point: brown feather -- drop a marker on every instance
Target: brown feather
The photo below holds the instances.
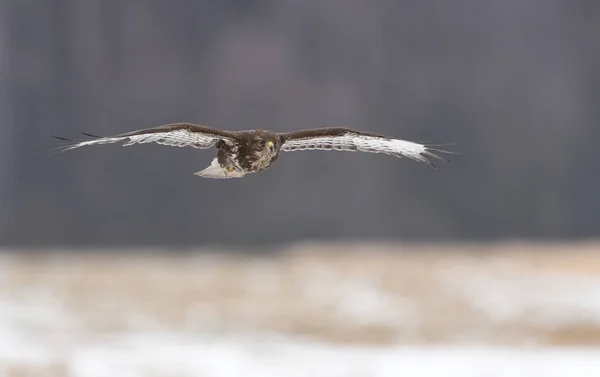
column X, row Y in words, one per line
column 183, row 126
column 324, row 132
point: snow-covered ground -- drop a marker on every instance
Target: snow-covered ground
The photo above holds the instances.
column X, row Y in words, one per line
column 352, row 314
column 168, row 356
column 161, row 354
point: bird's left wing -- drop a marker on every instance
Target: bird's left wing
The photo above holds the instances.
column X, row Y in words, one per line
column 175, row 134
column 344, row 139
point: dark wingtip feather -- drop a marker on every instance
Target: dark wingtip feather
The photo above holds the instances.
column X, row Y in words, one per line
column 90, row 135
column 432, row 150
column 60, row 138
column 61, row 148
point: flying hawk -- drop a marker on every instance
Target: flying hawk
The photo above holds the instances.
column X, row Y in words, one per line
column 252, row 151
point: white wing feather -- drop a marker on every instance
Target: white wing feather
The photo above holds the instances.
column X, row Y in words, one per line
column 176, row 138
column 352, row 142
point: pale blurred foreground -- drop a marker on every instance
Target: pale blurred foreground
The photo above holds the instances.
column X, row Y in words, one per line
column 309, row 310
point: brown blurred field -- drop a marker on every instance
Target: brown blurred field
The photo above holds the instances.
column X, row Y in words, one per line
column 508, row 294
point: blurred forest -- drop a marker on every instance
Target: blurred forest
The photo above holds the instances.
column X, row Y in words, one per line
column 515, row 83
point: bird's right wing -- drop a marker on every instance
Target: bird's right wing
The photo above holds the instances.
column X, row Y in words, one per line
column 344, row 139
column 176, row 135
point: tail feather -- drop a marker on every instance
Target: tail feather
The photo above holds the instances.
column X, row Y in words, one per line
column 216, row 171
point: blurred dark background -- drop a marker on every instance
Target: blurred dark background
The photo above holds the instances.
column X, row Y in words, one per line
column 515, row 83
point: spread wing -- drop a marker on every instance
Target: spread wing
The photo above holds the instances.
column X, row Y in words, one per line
column 344, row 139
column 176, row 135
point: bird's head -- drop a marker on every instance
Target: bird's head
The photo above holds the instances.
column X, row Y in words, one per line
column 266, row 142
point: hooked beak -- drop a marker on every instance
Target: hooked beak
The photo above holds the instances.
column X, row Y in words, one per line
column 270, row 146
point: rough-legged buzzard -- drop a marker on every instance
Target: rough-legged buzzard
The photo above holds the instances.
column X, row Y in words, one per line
column 252, row 151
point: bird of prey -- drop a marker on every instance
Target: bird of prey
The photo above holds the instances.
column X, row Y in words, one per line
column 252, row 151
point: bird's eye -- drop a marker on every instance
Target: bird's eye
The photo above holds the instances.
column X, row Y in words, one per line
column 261, row 143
